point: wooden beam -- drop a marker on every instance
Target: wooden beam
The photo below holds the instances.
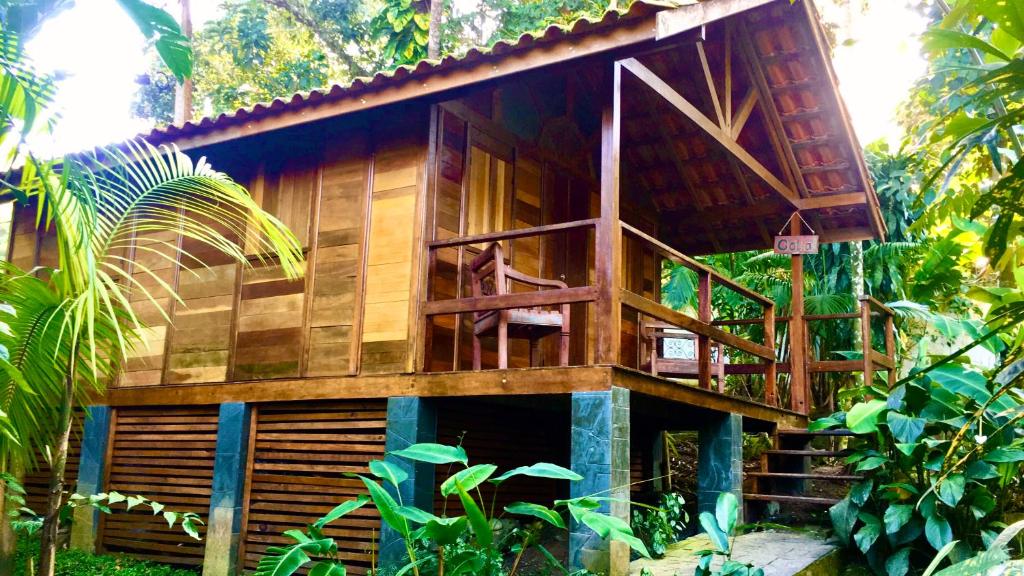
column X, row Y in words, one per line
column 689, row 17
column 608, row 235
column 850, row 199
column 513, row 234
column 666, row 314
column 743, row 114
column 799, row 382
column 703, row 343
column 724, row 139
column 508, row 301
column 710, row 79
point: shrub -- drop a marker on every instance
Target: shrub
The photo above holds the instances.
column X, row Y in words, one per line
column 659, row 527
column 78, row 563
column 459, row 545
column 940, row 454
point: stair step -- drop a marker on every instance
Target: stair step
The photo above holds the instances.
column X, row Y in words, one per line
column 819, row 453
column 791, row 499
column 802, row 432
column 806, row 476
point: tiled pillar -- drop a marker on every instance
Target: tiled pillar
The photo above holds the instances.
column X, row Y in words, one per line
column 411, row 421
column 95, row 435
column 719, row 459
column 225, row 521
column 600, row 453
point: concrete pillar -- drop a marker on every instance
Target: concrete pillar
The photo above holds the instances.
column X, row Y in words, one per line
column 600, row 453
column 411, row 421
column 719, row 459
column 224, row 525
column 91, row 467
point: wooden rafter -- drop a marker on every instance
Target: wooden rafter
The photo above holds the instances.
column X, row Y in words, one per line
column 743, row 114
column 724, row 138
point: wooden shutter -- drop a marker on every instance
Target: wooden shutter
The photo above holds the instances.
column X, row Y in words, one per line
column 37, row 482
column 297, row 457
column 166, row 455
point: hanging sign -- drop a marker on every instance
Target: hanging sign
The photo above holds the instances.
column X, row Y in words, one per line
column 796, row 243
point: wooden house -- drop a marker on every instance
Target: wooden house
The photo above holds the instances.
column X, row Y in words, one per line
column 485, row 239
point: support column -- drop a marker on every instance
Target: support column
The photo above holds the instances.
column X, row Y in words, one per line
column 224, row 525
column 608, row 234
column 91, row 471
column 719, row 460
column 600, row 453
column 411, row 420
column 799, row 386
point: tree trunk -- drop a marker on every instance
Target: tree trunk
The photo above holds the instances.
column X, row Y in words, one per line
column 434, row 33
column 183, row 91
column 857, row 286
column 51, row 522
column 8, row 539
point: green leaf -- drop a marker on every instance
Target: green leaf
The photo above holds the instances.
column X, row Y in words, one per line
column 898, row 564
column 952, row 489
column 540, row 470
column 727, row 511
column 1005, row 455
column 938, row 531
column 609, row 527
column 867, row 535
column 825, row 424
column 115, row 498
column 468, row 478
column 714, row 532
column 871, row 463
column 387, row 507
column 388, row 471
column 134, row 501
column 537, row 511
column 937, row 39
column 171, row 518
column 482, row 531
column 896, row 516
column 904, row 428
column 327, row 568
column 414, row 514
column 434, row 454
column 172, row 45
column 341, row 510
column 445, row 531
column 861, row 491
column 863, row 417
column 844, row 516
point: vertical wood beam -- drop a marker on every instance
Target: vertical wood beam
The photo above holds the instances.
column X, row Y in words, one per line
column 799, row 383
column 890, row 348
column 771, row 395
column 608, row 235
column 865, row 331
column 710, row 78
column 703, row 342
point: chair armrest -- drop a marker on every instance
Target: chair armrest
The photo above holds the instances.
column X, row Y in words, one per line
column 533, row 280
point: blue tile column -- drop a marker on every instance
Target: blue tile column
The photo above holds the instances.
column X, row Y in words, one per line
column 600, row 453
column 224, row 525
column 95, row 435
column 411, row 421
column 719, row 459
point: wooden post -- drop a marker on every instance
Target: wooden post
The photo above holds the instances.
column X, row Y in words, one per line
column 890, row 348
column 771, row 395
column 608, row 234
column 799, row 385
column 703, row 342
column 865, row 331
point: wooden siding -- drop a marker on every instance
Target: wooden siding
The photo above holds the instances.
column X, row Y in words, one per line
column 269, row 324
column 397, row 174
column 298, row 455
column 165, row 454
column 37, row 482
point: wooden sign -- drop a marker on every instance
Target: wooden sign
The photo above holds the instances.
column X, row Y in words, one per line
column 796, row 244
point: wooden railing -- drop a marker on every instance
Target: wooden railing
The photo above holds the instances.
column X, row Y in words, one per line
column 704, row 325
column 872, row 360
column 549, row 297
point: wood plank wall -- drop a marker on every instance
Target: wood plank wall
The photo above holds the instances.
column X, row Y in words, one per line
column 165, row 454
column 298, row 456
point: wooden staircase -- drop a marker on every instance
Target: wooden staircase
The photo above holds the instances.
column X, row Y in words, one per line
column 786, row 468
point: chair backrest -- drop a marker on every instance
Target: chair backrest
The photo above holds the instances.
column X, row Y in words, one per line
column 488, row 272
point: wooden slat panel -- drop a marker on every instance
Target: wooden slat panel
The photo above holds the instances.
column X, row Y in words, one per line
column 397, row 172
column 300, row 452
column 336, row 268
column 169, row 462
column 37, row 482
column 269, row 325
column 150, row 266
column 23, row 238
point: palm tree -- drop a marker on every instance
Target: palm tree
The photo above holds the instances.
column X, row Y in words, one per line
column 65, row 331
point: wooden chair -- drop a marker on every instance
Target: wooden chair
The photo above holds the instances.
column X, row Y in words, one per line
column 655, row 333
column 492, row 276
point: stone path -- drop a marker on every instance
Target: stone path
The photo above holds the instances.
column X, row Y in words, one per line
column 779, row 553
